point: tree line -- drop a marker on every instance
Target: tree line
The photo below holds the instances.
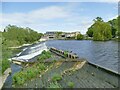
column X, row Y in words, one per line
column 102, row 31
column 14, row 35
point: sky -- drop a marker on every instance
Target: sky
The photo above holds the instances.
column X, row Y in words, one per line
column 56, row 16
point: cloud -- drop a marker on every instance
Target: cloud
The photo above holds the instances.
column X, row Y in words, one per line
column 36, row 15
column 45, row 18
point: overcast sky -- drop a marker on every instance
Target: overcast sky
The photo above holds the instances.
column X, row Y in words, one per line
column 57, row 16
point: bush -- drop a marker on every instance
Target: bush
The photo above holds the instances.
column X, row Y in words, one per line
column 5, row 65
column 54, row 85
column 70, row 84
column 44, row 55
column 56, row 77
column 80, row 37
column 19, row 78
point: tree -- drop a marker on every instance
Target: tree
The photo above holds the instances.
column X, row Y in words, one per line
column 80, row 37
column 100, row 30
column 20, row 35
column 90, row 32
column 98, row 19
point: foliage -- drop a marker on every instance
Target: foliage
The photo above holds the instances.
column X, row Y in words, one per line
column 54, row 85
column 100, row 30
column 56, row 77
column 5, row 65
column 114, row 27
column 14, row 35
column 70, row 84
column 19, row 78
column 44, row 55
column 80, row 37
column 65, row 53
column 90, row 32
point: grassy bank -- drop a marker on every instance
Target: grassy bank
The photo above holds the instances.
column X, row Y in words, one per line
column 6, row 54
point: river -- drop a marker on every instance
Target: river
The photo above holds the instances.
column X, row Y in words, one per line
column 104, row 54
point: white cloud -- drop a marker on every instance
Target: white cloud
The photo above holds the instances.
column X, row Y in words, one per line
column 36, row 15
column 42, row 20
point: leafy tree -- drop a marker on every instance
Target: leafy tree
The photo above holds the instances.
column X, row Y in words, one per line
column 100, row 30
column 20, row 35
column 80, row 37
column 90, row 32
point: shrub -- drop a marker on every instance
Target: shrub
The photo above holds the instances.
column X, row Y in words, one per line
column 70, row 84
column 54, row 85
column 19, row 78
column 5, row 65
column 44, row 55
column 65, row 53
column 56, row 77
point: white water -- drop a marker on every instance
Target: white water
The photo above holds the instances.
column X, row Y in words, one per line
column 30, row 52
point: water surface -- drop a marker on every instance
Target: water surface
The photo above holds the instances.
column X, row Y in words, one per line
column 104, row 54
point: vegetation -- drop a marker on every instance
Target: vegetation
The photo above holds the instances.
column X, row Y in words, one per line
column 15, row 36
column 114, row 27
column 21, row 77
column 70, row 84
column 101, row 30
column 65, row 53
column 80, row 37
column 5, row 64
column 44, row 55
column 56, row 77
column 6, row 54
column 54, row 85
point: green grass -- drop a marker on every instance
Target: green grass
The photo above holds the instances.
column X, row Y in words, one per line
column 6, row 54
column 28, row 73
column 44, row 55
column 54, row 85
column 70, row 84
column 56, row 77
column 5, row 65
column 65, row 53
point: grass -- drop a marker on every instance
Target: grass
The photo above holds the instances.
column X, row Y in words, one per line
column 44, row 55
column 5, row 65
column 65, row 53
column 56, row 77
column 21, row 77
column 6, row 54
column 54, row 85
column 70, row 84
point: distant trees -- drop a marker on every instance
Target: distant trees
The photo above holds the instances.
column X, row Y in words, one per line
column 14, row 35
column 100, row 30
column 80, row 37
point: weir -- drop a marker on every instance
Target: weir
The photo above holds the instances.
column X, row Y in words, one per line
column 30, row 53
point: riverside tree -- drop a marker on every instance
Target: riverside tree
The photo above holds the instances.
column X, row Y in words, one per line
column 80, row 37
column 100, row 30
